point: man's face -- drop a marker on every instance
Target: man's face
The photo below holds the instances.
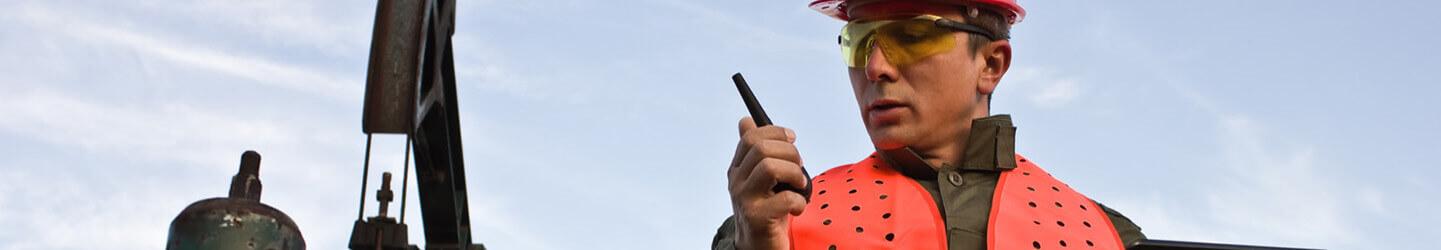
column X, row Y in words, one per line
column 926, row 104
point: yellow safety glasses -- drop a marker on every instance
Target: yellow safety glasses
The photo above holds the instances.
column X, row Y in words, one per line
column 904, row 41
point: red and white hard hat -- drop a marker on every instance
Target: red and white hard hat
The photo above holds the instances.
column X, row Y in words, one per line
column 839, row 8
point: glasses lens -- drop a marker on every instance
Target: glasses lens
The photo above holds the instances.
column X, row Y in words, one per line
column 856, row 41
column 903, row 41
column 907, row 42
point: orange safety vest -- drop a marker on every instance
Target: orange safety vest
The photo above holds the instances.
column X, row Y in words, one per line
column 869, row 205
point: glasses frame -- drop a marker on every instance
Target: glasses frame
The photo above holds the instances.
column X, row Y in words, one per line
column 871, row 27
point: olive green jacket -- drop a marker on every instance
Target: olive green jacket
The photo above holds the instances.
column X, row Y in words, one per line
column 962, row 192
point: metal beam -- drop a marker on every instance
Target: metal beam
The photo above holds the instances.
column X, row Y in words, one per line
column 411, row 89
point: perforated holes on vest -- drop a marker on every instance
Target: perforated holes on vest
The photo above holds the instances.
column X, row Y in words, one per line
column 879, row 225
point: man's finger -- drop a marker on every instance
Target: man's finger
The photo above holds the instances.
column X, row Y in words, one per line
column 784, row 203
column 795, row 177
column 769, row 133
column 739, row 152
column 768, row 173
column 772, row 149
column 746, row 124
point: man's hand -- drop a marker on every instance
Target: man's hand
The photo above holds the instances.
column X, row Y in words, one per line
column 766, row 156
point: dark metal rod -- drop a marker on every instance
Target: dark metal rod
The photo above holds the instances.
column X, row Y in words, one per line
column 364, row 177
column 405, row 179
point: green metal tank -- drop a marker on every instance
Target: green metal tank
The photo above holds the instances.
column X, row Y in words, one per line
column 239, row 221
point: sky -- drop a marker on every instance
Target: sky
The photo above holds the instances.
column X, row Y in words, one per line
column 609, row 124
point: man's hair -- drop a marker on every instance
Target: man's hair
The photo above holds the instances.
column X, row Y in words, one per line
column 989, row 20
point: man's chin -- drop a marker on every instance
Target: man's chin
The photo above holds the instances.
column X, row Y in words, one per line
column 890, row 138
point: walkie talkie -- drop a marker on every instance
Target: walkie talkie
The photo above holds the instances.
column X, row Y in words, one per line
column 759, row 116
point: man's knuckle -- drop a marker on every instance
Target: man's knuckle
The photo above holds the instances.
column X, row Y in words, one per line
column 759, row 133
column 777, row 148
column 777, row 166
column 765, row 148
column 751, row 139
column 768, row 164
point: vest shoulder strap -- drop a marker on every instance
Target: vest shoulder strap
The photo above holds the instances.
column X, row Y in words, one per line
column 1033, row 210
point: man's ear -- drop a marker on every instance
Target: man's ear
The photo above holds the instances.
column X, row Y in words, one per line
column 994, row 59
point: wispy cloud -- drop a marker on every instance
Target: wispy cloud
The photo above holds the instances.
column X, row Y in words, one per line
column 1044, row 88
column 1267, row 189
column 1264, row 191
column 1285, row 194
column 260, row 70
column 480, row 67
column 1263, row 188
column 162, row 132
column 494, row 216
column 334, row 28
column 751, row 31
column 1058, row 93
column 46, row 210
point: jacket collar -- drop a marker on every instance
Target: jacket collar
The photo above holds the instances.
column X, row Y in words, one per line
column 991, row 146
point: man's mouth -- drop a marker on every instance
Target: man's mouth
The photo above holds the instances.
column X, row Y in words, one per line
column 884, row 105
column 885, row 111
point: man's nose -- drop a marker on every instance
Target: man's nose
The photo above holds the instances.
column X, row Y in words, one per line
column 878, row 69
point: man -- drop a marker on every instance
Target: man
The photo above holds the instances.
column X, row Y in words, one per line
column 945, row 174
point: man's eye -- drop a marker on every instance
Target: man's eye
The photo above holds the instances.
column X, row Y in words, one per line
column 909, row 37
column 910, row 33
